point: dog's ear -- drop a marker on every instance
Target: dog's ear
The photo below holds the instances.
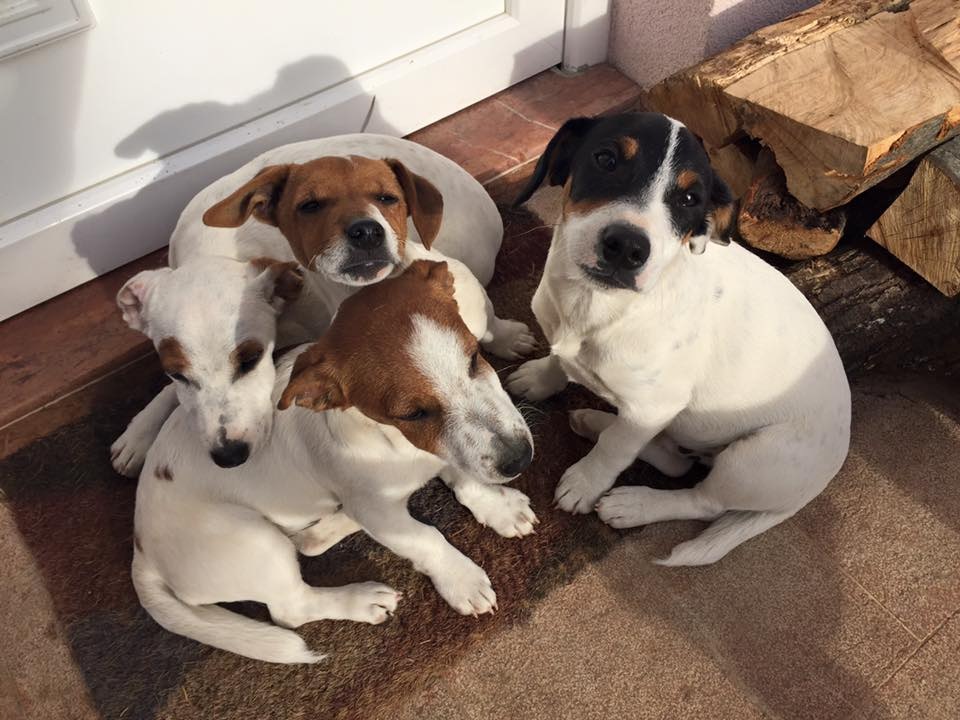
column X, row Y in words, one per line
column 313, row 382
column 554, row 165
column 258, row 198
column 280, row 282
column 134, row 295
column 721, row 217
column 424, row 202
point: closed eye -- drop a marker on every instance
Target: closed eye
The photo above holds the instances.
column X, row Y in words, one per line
column 249, row 362
column 387, row 199
column 474, row 363
column 418, row 414
column 311, row 206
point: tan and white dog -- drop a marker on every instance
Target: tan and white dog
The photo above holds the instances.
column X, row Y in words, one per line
column 710, row 353
column 340, row 210
column 393, row 394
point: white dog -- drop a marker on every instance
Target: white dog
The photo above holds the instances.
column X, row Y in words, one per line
column 350, row 218
column 396, row 393
column 711, row 353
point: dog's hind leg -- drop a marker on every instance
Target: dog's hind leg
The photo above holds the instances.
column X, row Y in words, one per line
column 755, row 483
column 326, row 532
column 660, row 452
column 129, row 450
column 505, row 510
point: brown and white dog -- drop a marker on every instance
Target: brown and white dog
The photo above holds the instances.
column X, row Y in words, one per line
column 348, row 216
column 394, row 394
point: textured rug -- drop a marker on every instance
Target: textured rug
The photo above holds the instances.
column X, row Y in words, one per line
column 75, row 516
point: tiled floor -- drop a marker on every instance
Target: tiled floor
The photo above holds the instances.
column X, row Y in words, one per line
column 49, row 353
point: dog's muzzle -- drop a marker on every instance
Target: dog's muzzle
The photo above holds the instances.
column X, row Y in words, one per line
column 230, row 453
column 368, row 251
column 622, row 250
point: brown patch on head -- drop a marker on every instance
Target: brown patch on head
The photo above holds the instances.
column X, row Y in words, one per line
column 163, row 472
column 723, row 220
column 315, row 202
column 287, row 277
column 581, row 207
column 173, row 359
column 362, row 361
column 686, row 179
column 246, row 356
column 628, row 146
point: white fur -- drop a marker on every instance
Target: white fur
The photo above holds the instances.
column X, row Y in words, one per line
column 469, row 239
column 210, row 535
column 715, row 352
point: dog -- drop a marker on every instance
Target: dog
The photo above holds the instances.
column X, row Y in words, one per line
column 392, row 395
column 349, row 220
column 704, row 353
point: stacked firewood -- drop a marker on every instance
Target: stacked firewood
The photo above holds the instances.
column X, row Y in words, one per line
column 838, row 121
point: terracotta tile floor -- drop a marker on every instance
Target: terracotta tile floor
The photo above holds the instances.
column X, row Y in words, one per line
column 51, row 354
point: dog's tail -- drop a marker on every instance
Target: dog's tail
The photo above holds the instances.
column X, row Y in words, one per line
column 723, row 535
column 214, row 625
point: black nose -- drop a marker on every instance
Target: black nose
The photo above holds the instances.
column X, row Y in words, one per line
column 231, row 453
column 365, row 234
column 624, row 247
column 516, row 458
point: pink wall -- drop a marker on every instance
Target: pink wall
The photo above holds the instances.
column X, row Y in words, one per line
column 650, row 39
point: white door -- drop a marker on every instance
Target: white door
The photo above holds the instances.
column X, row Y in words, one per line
column 105, row 135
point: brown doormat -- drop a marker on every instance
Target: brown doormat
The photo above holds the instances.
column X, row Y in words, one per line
column 75, row 515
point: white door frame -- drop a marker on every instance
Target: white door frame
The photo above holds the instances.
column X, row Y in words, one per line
column 77, row 238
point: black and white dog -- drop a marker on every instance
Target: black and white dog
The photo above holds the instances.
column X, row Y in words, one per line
column 715, row 351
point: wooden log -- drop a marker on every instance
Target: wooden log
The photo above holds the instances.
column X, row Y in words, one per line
column 844, row 93
column 771, row 219
column 734, row 163
column 922, row 226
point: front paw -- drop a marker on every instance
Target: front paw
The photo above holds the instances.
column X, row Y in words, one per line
column 511, row 341
column 580, row 489
column 130, row 450
column 505, row 510
column 537, row 379
column 370, row 602
column 465, row 587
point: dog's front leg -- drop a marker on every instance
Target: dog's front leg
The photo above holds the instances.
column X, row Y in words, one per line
column 459, row 580
column 507, row 339
column 505, row 510
column 130, row 449
column 617, row 447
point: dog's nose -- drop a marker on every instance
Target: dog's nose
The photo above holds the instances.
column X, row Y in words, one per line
column 231, row 453
column 624, row 247
column 365, row 234
column 515, row 459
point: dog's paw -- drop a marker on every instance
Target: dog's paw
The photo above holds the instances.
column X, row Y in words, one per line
column 511, row 341
column 130, row 450
column 537, row 379
column 504, row 510
column 369, row 602
column 628, row 506
column 579, row 489
column 466, row 588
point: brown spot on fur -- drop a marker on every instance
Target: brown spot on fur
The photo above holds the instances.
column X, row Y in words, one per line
column 581, row 207
column 136, row 542
column 246, row 351
column 163, row 472
column 288, row 277
column 722, row 220
column 345, row 188
column 362, row 360
column 629, row 147
column 172, row 356
column 687, row 179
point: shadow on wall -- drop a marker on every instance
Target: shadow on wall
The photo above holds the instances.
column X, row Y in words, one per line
column 145, row 217
column 732, row 20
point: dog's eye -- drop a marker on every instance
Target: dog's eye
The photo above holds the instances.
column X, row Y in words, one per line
column 249, row 362
column 689, row 199
column 310, row 206
column 605, row 160
column 474, row 362
column 179, row 377
column 385, row 199
column 418, row 414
